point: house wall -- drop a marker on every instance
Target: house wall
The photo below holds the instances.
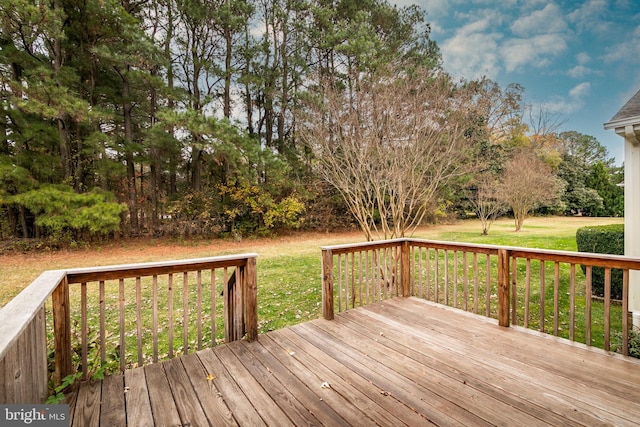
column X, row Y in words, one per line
column 632, row 219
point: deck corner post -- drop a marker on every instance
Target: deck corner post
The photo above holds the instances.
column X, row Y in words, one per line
column 405, row 273
column 503, row 287
column 327, row 284
column 251, row 305
column 62, row 330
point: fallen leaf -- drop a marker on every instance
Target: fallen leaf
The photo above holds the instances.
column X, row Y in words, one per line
column 210, row 377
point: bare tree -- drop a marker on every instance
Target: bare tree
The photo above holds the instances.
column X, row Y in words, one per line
column 390, row 144
column 527, row 183
column 486, row 201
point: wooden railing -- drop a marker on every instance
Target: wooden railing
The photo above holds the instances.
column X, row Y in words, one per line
column 516, row 286
column 151, row 307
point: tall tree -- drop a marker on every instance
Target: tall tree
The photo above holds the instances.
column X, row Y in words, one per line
column 391, row 145
column 527, row 183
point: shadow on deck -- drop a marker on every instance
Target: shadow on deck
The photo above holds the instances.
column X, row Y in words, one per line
column 404, row 361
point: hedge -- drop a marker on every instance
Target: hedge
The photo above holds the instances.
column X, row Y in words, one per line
column 605, row 239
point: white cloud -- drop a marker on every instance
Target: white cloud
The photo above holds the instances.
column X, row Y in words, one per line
column 535, row 52
column 583, row 58
column 571, row 103
column 472, row 55
column 547, row 20
column 472, row 51
column 581, row 69
column 627, row 51
column 580, row 91
column 578, row 71
column 589, row 14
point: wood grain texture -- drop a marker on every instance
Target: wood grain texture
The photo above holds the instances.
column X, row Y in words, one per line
column 402, row 362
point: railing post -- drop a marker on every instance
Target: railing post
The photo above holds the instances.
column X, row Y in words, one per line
column 251, row 301
column 503, row 287
column 405, row 266
column 229, row 306
column 62, row 331
column 327, row 284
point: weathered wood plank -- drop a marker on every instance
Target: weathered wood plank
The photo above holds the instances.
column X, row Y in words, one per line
column 279, row 361
column 467, row 390
column 112, row 412
column 401, row 406
column 439, row 398
column 243, row 411
column 209, row 396
column 163, row 405
column 189, row 409
column 137, row 398
column 89, row 395
column 314, row 375
column 269, row 411
column 276, row 389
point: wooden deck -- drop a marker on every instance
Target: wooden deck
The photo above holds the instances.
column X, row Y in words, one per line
column 402, row 362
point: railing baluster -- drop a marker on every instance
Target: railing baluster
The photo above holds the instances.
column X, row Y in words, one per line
column 572, row 302
column 527, row 292
column 542, row 298
column 360, row 277
column 185, row 313
column 154, row 321
column 503, row 287
column 139, row 320
column 488, row 287
column 556, row 298
column 123, row 350
column 428, row 275
column 213, row 308
column 514, row 291
column 352, row 281
column 199, row 308
column 455, row 279
column 476, row 283
column 625, row 314
column 368, row 277
column 340, row 283
column 465, row 283
column 446, row 277
column 83, row 327
column 170, row 312
column 607, row 309
column 436, row 277
column 227, row 298
column 103, row 326
column 587, row 314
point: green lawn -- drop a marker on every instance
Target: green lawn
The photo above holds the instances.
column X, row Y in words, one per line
column 289, row 284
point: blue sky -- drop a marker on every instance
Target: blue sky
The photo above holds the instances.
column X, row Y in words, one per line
column 578, row 58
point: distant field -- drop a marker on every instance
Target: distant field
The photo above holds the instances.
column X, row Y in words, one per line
column 295, row 257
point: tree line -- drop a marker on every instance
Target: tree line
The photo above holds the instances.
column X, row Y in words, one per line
column 209, row 117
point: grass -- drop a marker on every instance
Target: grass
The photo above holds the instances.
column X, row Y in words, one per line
column 289, row 284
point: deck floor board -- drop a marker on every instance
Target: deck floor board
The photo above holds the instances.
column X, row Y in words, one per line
column 400, row 362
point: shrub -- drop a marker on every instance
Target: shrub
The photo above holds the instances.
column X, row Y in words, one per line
column 606, row 239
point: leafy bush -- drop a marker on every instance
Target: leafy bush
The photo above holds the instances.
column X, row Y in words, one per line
column 606, row 239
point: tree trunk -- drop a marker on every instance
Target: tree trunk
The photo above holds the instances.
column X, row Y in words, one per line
column 227, row 73
column 128, row 140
